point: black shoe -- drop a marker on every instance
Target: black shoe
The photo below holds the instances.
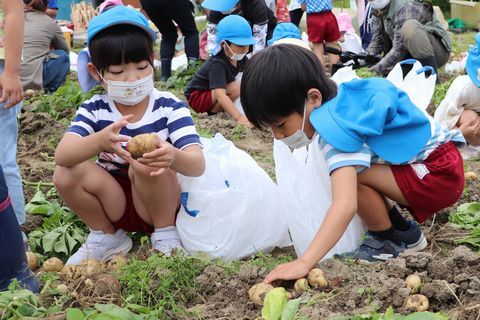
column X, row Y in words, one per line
column 166, row 69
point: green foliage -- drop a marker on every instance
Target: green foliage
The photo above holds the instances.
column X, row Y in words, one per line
column 61, row 233
column 365, row 73
column 467, row 217
column 440, row 91
column 238, row 132
column 112, row 312
column 391, row 315
column 19, row 304
column 274, row 303
column 182, row 77
column 161, row 283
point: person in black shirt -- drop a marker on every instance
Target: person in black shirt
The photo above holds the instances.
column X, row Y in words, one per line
column 213, row 88
column 259, row 16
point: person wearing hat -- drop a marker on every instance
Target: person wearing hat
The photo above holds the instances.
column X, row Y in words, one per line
column 404, row 29
column 42, row 67
column 213, row 88
column 287, row 33
column 125, row 190
column 349, row 41
column 260, row 18
column 377, row 144
column 461, row 106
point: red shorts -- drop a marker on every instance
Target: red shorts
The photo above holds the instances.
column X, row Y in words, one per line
column 433, row 184
column 201, row 101
column 130, row 220
column 322, row 26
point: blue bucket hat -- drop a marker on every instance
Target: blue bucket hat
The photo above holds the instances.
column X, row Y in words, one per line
column 119, row 14
column 285, row 30
column 219, row 5
column 375, row 112
column 473, row 61
column 235, row 29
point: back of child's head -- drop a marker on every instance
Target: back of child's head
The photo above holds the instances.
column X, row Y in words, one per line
column 276, row 80
column 37, row 5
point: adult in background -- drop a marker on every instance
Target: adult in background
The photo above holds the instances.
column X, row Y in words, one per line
column 259, row 16
column 163, row 13
column 43, row 67
column 407, row 29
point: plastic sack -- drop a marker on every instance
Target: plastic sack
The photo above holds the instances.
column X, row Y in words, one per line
column 234, row 209
column 418, row 87
column 304, row 182
column 344, row 74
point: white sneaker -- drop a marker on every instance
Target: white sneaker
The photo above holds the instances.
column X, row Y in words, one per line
column 102, row 246
column 166, row 240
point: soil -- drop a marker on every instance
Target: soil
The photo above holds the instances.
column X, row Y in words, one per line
column 450, row 273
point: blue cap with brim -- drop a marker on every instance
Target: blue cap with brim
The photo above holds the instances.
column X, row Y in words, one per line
column 219, row 5
column 373, row 112
column 118, row 15
column 285, row 30
column 235, row 29
column 85, row 79
column 473, row 62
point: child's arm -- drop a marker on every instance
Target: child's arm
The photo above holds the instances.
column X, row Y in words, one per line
column 10, row 83
column 226, row 103
column 73, row 150
column 341, row 212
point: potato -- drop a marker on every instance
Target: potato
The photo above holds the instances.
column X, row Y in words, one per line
column 107, row 284
column 32, row 260
column 416, row 303
column 470, row 175
column 142, row 143
column 301, row 285
column 62, row 288
column 29, row 93
column 257, row 292
column 117, row 261
column 91, row 267
column 89, row 283
column 414, row 283
column 53, row 265
column 316, row 278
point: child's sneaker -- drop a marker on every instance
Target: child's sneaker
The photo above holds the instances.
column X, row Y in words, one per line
column 413, row 238
column 166, row 240
column 102, row 246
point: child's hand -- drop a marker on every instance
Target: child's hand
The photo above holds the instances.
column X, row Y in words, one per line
column 471, row 131
column 163, row 157
column 243, row 120
column 288, row 271
column 12, row 90
column 110, row 138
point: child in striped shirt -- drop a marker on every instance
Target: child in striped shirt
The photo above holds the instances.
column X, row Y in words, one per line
column 378, row 146
column 117, row 193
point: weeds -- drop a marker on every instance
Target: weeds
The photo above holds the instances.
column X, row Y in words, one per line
column 467, row 217
column 440, row 91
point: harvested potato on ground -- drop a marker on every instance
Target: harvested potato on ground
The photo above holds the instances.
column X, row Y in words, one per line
column 89, row 283
column 316, row 278
column 143, row 143
column 414, row 283
column 257, row 292
column 416, row 303
column 117, row 261
column 32, row 260
column 470, row 175
column 107, row 284
column 91, row 267
column 301, row 285
column 62, row 288
column 53, row 265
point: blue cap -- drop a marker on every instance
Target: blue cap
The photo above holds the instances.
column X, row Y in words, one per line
column 235, row 29
column 473, row 61
column 375, row 112
column 118, row 15
column 283, row 31
column 219, row 5
column 85, row 79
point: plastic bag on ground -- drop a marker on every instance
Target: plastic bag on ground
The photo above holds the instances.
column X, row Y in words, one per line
column 418, row 87
column 344, row 74
column 304, row 183
column 234, row 209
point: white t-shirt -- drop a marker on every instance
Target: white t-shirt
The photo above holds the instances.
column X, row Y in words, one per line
column 462, row 95
column 293, row 5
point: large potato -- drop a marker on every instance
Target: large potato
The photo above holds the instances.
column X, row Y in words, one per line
column 257, row 292
column 143, row 143
column 53, row 265
column 416, row 303
column 32, row 260
column 316, row 278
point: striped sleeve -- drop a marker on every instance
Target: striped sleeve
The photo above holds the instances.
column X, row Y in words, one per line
column 337, row 159
column 181, row 129
column 85, row 122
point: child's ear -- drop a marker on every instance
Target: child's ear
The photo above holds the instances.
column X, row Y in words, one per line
column 314, row 97
column 93, row 71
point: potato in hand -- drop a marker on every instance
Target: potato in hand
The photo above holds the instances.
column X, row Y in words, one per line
column 143, row 143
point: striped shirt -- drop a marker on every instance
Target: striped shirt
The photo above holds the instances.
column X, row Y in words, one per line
column 166, row 115
column 365, row 157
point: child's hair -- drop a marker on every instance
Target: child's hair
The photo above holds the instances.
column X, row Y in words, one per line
column 276, row 80
column 37, row 5
column 120, row 44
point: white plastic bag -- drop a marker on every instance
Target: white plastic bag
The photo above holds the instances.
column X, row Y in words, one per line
column 304, row 183
column 234, row 209
column 418, row 87
column 344, row 74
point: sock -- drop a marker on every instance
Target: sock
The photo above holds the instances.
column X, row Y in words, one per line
column 384, row 234
column 398, row 221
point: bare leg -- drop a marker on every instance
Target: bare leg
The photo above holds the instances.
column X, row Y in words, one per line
column 469, row 124
column 94, row 195
column 319, row 52
column 233, row 92
column 156, row 199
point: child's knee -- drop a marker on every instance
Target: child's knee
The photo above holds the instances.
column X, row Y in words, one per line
column 467, row 116
column 64, row 178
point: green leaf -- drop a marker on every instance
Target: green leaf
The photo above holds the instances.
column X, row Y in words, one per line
column 49, row 240
column 291, row 309
column 74, row 314
column 425, row 316
column 115, row 311
column 274, row 303
column 389, row 314
column 61, row 245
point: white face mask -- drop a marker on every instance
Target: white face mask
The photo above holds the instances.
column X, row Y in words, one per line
column 234, row 56
column 379, row 4
column 299, row 139
column 129, row 93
